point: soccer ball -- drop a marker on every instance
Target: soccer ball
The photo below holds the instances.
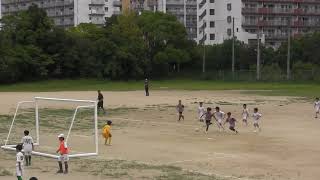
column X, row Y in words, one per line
column 197, row 129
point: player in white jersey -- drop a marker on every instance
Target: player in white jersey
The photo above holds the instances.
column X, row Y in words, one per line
column 201, row 112
column 19, row 162
column 27, row 142
column 317, row 107
column 256, row 118
column 245, row 114
column 219, row 116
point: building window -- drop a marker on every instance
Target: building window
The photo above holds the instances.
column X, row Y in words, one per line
column 89, row 8
column 211, row 1
column 229, row 7
column 211, row 11
column 229, row 32
column 229, row 19
column 106, row 9
column 212, row 24
column 212, row 36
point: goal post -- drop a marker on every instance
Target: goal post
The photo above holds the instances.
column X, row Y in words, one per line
column 88, row 104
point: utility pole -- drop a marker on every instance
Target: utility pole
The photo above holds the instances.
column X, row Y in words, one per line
column 258, row 55
column 233, row 53
column 185, row 12
column 289, row 50
column 204, row 48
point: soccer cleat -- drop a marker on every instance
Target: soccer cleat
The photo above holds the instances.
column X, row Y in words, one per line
column 60, row 171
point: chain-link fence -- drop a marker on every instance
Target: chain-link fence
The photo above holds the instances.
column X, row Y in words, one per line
column 251, row 75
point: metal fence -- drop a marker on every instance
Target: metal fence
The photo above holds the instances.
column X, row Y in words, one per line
column 251, row 75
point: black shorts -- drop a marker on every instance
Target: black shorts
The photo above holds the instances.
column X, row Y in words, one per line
column 232, row 128
column 180, row 113
column 100, row 104
column 208, row 122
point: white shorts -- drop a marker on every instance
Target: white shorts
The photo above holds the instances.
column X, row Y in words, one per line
column 27, row 152
column 219, row 120
column 18, row 172
column 63, row 158
column 317, row 109
column 244, row 117
column 256, row 122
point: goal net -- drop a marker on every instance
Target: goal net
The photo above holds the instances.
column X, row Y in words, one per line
column 46, row 118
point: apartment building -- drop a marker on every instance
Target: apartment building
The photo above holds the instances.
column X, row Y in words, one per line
column 67, row 13
column 186, row 13
column 184, row 10
column 218, row 20
column 277, row 18
column 273, row 20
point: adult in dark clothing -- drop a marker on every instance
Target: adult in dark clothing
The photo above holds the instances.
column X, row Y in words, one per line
column 146, row 87
column 100, row 101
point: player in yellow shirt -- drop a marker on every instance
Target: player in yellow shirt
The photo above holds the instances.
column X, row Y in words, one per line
column 106, row 132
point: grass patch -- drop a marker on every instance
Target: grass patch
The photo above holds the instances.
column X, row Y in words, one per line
column 131, row 169
column 308, row 89
column 5, row 172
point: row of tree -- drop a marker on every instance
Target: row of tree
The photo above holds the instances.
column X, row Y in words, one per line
column 129, row 46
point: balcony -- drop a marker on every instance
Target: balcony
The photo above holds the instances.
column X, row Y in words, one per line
column 97, row 13
column 117, row 3
column 264, row 23
column 116, row 12
column 285, row 1
column 202, row 3
column 280, row 11
column 302, row 24
column 203, row 15
column 97, row 3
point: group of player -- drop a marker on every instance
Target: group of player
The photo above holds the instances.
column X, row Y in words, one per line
column 206, row 115
column 24, row 159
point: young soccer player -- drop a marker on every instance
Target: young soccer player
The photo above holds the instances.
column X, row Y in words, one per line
column 201, row 112
column 106, row 133
column 146, row 86
column 63, row 151
column 100, row 101
column 180, row 109
column 232, row 122
column 27, row 142
column 19, row 164
column 245, row 115
column 256, row 117
column 219, row 116
column 317, row 107
column 208, row 116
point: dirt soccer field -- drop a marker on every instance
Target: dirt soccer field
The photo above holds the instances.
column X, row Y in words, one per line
column 149, row 143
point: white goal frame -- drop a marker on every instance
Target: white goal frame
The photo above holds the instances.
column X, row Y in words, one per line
column 90, row 104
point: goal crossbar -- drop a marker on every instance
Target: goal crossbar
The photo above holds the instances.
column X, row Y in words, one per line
column 92, row 104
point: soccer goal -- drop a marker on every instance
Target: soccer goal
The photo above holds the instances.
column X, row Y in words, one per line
column 80, row 104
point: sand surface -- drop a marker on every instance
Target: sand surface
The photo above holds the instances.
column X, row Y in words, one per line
column 286, row 149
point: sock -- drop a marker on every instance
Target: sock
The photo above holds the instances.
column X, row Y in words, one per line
column 66, row 166
column 60, row 166
column 29, row 160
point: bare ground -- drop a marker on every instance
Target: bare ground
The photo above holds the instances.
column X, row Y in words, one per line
column 148, row 142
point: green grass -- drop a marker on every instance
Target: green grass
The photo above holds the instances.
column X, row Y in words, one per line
column 305, row 89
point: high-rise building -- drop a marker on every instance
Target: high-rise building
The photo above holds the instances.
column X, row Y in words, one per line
column 276, row 18
column 66, row 13
column 184, row 10
column 186, row 13
column 218, row 20
column 272, row 20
